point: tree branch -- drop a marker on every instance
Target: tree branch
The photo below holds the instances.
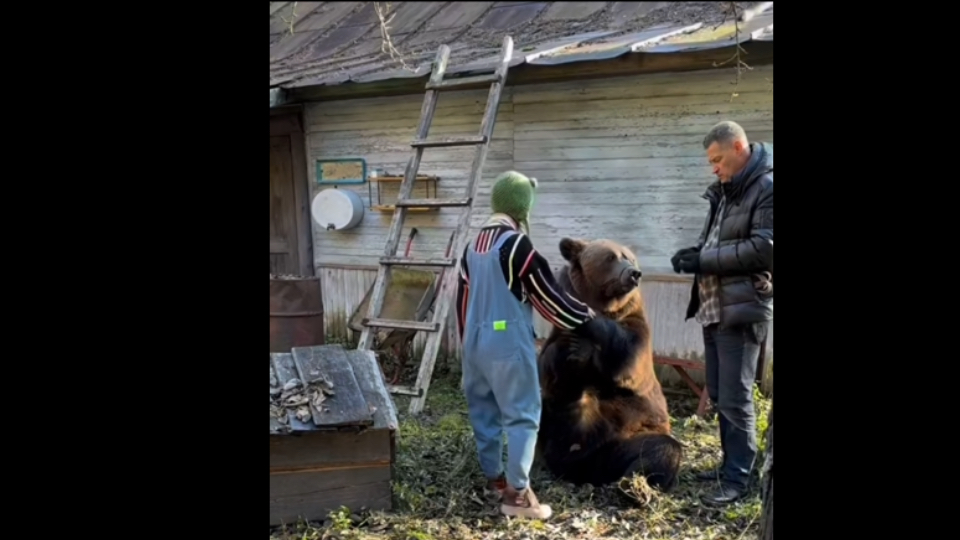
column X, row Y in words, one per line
column 293, row 17
column 739, row 65
column 386, row 45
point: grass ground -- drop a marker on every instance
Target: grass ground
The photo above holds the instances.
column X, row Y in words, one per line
column 438, row 483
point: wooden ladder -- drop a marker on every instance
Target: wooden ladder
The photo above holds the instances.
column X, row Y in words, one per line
column 449, row 278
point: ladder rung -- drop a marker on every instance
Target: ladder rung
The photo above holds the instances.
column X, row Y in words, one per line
column 402, row 325
column 447, row 84
column 405, row 390
column 375, row 316
column 432, row 203
column 450, row 141
column 417, row 262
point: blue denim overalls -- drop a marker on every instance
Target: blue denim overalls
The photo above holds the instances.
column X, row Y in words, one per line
column 500, row 369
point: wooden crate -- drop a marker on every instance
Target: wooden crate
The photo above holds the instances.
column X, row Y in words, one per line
column 344, row 454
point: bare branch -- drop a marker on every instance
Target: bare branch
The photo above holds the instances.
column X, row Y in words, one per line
column 386, row 45
column 293, row 17
column 739, row 65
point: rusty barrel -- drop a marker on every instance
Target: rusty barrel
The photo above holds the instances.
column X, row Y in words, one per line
column 296, row 313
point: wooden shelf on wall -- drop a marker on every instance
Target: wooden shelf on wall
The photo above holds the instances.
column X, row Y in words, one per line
column 400, row 178
column 396, row 179
column 392, row 207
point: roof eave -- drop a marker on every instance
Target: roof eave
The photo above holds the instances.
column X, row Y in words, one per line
column 757, row 52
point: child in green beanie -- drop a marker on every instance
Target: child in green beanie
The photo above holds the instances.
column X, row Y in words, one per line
column 502, row 277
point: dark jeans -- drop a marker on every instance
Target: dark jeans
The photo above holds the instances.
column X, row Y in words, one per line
column 731, row 365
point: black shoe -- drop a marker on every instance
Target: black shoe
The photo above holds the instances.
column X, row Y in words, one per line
column 708, row 475
column 725, row 494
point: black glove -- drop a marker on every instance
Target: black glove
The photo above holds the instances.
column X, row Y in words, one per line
column 690, row 262
column 675, row 260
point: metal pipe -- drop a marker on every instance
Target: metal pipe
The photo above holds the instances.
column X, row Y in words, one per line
column 278, row 97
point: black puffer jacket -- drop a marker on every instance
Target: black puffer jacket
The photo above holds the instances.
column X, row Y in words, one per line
column 744, row 258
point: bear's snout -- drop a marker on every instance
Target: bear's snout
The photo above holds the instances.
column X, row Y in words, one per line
column 631, row 276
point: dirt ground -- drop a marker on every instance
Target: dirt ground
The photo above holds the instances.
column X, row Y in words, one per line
column 438, row 489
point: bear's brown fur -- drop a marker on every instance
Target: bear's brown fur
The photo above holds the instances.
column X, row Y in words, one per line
column 604, row 415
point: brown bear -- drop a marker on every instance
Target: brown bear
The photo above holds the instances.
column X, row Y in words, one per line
column 604, row 415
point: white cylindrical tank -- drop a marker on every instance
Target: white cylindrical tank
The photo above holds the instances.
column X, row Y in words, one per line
column 336, row 209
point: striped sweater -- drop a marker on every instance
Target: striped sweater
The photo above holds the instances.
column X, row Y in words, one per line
column 528, row 276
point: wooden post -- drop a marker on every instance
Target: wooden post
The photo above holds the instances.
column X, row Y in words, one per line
column 766, row 479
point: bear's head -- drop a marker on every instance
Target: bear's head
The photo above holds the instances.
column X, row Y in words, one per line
column 604, row 274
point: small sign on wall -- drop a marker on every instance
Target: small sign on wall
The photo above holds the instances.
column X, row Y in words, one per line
column 341, row 171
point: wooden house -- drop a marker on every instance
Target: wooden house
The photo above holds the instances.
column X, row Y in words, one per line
column 606, row 104
column 332, row 433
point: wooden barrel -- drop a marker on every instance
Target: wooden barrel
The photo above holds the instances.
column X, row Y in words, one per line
column 296, row 313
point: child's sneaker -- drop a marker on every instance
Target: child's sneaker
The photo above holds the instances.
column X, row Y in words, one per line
column 523, row 504
column 493, row 491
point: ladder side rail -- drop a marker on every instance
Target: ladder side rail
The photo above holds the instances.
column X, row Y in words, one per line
column 427, row 110
column 449, row 279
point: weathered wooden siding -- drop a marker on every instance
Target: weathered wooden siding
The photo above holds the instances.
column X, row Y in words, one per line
column 616, row 158
column 623, row 158
column 380, row 130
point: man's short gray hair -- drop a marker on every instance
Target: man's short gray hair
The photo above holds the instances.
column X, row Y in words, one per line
column 724, row 133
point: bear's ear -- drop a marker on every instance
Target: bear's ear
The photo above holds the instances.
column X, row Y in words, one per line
column 570, row 248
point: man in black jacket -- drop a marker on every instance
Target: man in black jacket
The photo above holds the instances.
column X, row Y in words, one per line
column 732, row 294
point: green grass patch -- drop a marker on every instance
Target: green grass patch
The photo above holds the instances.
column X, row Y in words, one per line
column 438, row 485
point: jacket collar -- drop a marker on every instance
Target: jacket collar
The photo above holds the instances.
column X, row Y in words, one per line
column 735, row 188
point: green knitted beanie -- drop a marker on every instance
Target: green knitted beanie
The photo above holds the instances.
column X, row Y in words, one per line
column 512, row 195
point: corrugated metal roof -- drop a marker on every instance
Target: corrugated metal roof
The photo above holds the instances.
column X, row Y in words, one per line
column 329, row 43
